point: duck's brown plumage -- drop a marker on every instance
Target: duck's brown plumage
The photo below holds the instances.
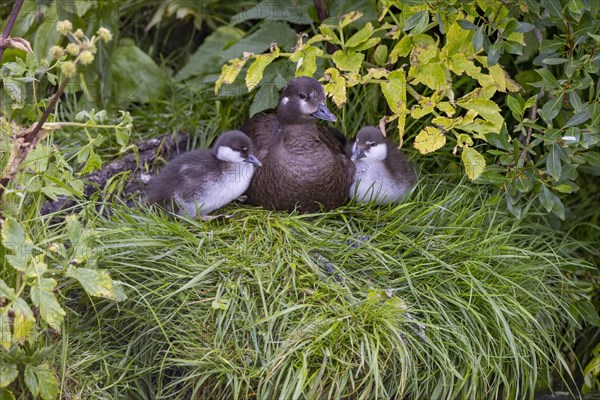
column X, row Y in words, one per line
column 304, row 163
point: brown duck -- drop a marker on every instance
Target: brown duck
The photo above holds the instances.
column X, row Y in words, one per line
column 304, row 164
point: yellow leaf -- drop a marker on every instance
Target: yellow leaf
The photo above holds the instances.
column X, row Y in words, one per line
column 458, row 40
column 229, row 72
column 24, row 321
column 429, row 140
column 488, row 109
column 446, row 107
column 473, row 161
column 347, row 19
column 394, row 90
column 374, row 73
column 256, row 70
column 433, row 75
column 447, row 123
column 306, row 56
column 361, row 36
column 401, row 49
column 348, row 61
column 336, row 87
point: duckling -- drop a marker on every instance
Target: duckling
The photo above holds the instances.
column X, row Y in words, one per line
column 382, row 173
column 206, row 179
column 305, row 166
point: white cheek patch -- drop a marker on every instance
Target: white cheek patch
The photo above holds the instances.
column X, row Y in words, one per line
column 377, row 152
column 354, row 147
column 285, row 100
column 306, row 108
column 226, row 153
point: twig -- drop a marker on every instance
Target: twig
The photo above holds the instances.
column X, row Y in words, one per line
column 11, row 22
column 534, row 109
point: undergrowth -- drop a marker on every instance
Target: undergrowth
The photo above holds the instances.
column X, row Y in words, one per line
column 443, row 296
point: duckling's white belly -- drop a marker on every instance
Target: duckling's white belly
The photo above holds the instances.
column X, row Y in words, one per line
column 374, row 183
column 230, row 185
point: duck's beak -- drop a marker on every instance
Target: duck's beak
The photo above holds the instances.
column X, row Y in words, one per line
column 253, row 160
column 357, row 154
column 324, row 113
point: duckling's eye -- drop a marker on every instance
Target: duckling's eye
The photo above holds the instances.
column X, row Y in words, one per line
column 244, row 149
column 302, row 96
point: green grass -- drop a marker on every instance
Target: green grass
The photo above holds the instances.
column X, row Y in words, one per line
column 443, row 296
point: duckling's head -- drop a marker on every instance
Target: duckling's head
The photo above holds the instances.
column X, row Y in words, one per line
column 235, row 146
column 303, row 99
column 370, row 145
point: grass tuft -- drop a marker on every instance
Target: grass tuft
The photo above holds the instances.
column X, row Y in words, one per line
column 443, row 296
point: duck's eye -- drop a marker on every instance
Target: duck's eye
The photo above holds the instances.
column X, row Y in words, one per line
column 302, row 96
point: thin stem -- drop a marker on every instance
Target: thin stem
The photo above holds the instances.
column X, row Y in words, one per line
column 11, row 22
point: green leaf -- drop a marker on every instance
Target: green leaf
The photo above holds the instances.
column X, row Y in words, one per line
column 24, row 321
column 296, row 13
column 348, row 61
column 208, row 56
column 8, row 373
column 229, row 72
column 42, row 297
column 513, row 47
column 551, row 109
column 547, row 198
column 473, row 161
column 434, row 75
column 524, row 27
column 136, row 75
column 15, row 240
column 488, row 109
column 94, row 282
column 380, row 54
column 468, row 25
column 41, row 380
column 429, row 140
column 592, row 158
column 553, row 164
column 564, row 188
column 6, row 291
column 578, row 118
column 575, row 6
column 554, row 61
column 307, row 57
column 401, row 49
column 494, row 53
column 477, row 40
column 514, row 105
column 553, row 7
column 418, row 21
column 257, row 68
column 361, row 36
column 588, row 312
column 548, row 78
column 365, row 45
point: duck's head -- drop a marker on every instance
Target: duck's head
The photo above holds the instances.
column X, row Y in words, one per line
column 303, row 99
column 235, row 146
column 370, row 145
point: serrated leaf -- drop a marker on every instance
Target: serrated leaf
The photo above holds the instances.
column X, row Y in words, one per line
column 348, row 61
column 429, row 140
column 365, row 45
column 488, row 109
column 42, row 297
column 257, row 68
column 401, row 49
column 5, row 334
column 394, row 90
column 307, row 57
column 361, row 36
column 24, row 321
column 330, row 34
column 473, row 161
column 433, row 75
column 94, row 282
column 336, row 86
column 446, row 107
column 229, row 72
column 42, row 381
column 8, row 373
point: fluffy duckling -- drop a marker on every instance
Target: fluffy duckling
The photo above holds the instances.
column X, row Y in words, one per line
column 205, row 180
